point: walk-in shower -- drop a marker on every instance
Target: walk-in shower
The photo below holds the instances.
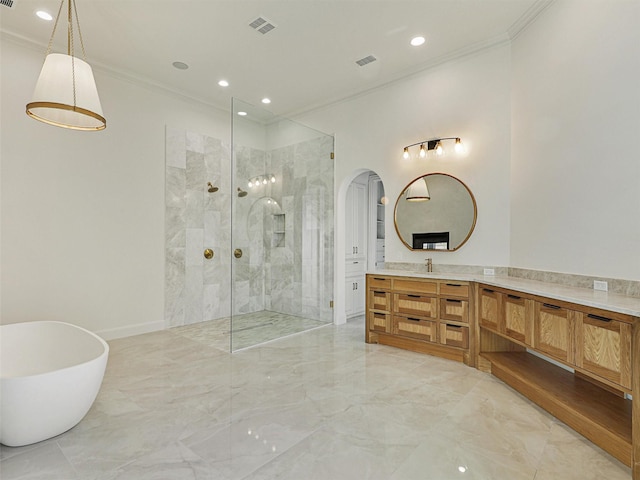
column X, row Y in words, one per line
column 268, row 230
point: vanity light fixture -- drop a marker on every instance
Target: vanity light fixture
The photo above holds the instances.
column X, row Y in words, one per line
column 261, row 180
column 418, row 191
column 435, row 144
column 66, row 94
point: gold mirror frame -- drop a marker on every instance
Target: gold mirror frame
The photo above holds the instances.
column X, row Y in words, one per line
column 401, row 197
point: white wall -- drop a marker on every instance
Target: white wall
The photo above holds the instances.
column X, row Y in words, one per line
column 83, row 212
column 575, row 184
column 468, row 98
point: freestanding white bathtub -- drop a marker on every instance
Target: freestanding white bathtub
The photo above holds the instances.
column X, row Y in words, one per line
column 50, row 374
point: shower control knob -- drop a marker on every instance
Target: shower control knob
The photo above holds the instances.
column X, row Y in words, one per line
column 208, row 254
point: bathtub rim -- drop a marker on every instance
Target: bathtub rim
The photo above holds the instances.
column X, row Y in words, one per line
column 103, row 342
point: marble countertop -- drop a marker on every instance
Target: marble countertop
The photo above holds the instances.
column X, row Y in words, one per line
column 583, row 296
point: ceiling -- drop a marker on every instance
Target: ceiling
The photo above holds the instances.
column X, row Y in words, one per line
column 306, row 61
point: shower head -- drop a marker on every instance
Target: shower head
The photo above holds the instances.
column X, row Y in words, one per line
column 211, row 188
column 241, row 193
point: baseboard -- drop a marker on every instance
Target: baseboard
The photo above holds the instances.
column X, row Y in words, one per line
column 130, row 330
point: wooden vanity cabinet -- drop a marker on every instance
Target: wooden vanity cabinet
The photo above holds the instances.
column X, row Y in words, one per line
column 421, row 314
column 596, row 347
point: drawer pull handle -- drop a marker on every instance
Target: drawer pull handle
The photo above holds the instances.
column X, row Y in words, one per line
column 413, row 296
column 515, row 297
column 548, row 305
column 454, row 326
column 379, row 279
column 378, row 293
column 453, row 301
column 488, row 290
column 413, row 319
column 598, row 317
column 453, row 285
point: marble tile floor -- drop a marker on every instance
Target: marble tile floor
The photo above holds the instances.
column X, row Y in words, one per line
column 248, row 329
column 320, row 405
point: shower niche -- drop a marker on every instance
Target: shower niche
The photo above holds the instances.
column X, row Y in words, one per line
column 273, row 202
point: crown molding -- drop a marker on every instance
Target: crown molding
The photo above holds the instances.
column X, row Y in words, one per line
column 528, row 17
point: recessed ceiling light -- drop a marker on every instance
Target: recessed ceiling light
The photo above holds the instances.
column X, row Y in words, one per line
column 223, row 83
column 242, row 114
column 44, row 15
column 180, row 65
column 417, row 41
column 266, row 100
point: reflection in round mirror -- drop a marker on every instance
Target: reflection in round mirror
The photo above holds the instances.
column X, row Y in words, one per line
column 435, row 212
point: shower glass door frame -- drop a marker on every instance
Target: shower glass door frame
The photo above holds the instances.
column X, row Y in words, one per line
column 282, row 227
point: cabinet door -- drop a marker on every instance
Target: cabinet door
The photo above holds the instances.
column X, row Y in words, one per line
column 356, row 221
column 603, row 347
column 355, row 295
column 359, row 298
column 348, row 221
column 360, row 215
column 515, row 318
column 553, row 328
column 490, row 307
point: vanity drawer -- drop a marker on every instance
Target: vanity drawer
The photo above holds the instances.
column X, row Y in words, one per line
column 415, row 305
column 379, row 322
column 355, row 267
column 379, row 282
column 414, row 327
column 454, row 309
column 454, row 335
column 379, row 300
column 416, row 286
column 454, row 289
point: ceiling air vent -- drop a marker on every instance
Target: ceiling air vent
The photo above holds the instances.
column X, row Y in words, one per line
column 7, row 3
column 260, row 24
column 366, row 60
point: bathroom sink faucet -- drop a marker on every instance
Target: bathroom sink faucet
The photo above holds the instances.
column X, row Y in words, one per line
column 429, row 265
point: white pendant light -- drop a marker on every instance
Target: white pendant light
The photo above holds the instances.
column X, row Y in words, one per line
column 66, row 93
column 418, row 191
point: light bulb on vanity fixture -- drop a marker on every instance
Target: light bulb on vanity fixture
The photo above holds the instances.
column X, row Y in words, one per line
column 261, row 180
column 435, row 144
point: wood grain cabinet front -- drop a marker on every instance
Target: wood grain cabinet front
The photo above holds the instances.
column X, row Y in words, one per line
column 517, row 323
column 454, row 309
column 414, row 327
column 454, row 335
column 422, row 314
column 490, row 309
column 414, row 305
column 552, row 331
column 603, row 347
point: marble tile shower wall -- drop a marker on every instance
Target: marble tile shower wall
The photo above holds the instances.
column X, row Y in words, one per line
column 290, row 272
column 196, row 289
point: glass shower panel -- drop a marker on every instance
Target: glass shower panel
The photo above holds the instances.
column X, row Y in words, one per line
column 281, row 227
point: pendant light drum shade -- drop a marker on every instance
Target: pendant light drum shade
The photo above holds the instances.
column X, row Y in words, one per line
column 66, row 94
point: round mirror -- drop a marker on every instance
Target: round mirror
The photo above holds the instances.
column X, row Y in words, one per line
column 435, row 212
